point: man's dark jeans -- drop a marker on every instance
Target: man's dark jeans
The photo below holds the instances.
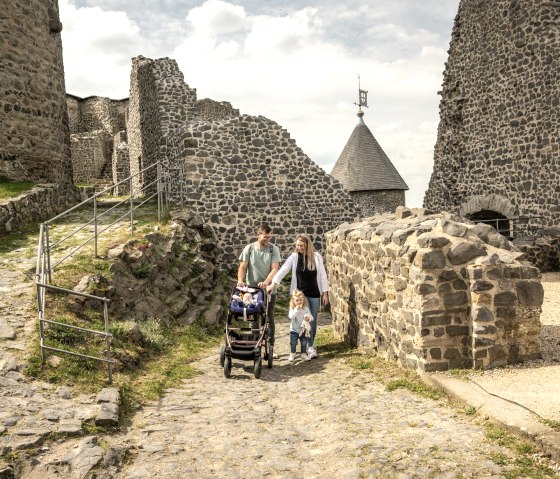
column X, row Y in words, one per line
column 271, row 327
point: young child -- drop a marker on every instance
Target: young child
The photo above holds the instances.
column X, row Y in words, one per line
column 300, row 327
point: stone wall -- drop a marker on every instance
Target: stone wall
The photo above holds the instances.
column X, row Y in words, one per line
column 239, row 170
column 34, row 138
column 370, row 203
column 91, row 156
column 543, row 252
column 498, row 144
column 96, row 113
column 39, row 204
column 120, row 164
column 98, row 131
column 433, row 293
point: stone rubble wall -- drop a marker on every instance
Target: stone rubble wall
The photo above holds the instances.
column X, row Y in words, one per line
column 247, row 170
column 172, row 277
column 235, row 171
column 91, row 155
column 96, row 113
column 34, row 138
column 98, row 131
column 433, row 293
column 500, row 112
column 543, row 252
column 121, row 163
column 39, row 204
column 371, row 203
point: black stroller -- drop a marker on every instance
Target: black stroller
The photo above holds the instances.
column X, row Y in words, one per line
column 246, row 330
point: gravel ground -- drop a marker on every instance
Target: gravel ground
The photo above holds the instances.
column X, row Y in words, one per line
column 550, row 319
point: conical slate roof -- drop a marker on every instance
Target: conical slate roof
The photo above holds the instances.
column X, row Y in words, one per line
column 364, row 166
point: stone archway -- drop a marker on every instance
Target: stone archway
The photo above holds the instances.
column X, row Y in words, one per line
column 492, row 203
column 493, row 210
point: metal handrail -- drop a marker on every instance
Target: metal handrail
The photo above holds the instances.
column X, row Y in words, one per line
column 44, row 268
column 532, row 224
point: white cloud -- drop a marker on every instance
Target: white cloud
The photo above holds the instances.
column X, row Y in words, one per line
column 97, row 47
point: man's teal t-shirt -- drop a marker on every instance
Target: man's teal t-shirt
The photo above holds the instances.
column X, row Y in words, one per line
column 260, row 261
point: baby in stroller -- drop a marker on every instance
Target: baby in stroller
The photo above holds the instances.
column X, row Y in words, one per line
column 245, row 301
column 247, row 304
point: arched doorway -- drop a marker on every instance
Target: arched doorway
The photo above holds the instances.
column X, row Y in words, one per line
column 494, row 219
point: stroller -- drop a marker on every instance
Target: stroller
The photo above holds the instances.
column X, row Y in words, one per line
column 245, row 342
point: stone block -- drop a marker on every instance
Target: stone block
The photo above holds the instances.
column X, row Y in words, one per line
column 464, row 252
column 530, row 293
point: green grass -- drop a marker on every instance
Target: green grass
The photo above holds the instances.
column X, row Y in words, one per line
column 552, row 423
column 157, row 359
column 524, row 462
column 12, row 188
column 385, row 372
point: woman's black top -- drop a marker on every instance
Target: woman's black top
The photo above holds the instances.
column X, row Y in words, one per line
column 307, row 279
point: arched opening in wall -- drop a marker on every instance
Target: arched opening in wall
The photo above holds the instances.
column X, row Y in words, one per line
column 494, row 219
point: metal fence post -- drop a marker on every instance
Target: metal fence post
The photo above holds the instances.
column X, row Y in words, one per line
column 108, row 340
column 159, row 197
column 95, row 225
column 48, row 250
column 131, row 207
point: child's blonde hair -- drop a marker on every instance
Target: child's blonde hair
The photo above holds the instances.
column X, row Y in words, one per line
column 296, row 294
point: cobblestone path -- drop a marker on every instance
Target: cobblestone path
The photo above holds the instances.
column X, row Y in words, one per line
column 315, row 419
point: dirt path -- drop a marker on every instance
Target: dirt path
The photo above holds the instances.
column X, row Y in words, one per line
column 312, row 419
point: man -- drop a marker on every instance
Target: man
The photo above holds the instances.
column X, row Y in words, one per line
column 259, row 262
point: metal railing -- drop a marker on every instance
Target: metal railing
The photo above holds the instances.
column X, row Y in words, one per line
column 46, row 264
column 516, row 228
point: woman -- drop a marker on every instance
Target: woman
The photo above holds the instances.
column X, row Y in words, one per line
column 309, row 276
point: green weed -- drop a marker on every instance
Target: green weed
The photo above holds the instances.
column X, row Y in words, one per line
column 12, row 188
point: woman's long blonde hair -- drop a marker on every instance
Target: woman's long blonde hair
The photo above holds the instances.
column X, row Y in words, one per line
column 296, row 294
column 309, row 251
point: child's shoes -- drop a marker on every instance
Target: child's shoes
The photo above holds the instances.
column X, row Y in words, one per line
column 305, row 357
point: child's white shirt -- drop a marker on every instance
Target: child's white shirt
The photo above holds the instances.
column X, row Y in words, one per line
column 296, row 316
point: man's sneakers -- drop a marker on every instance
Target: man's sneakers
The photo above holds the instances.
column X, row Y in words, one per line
column 305, row 357
column 292, row 357
column 311, row 352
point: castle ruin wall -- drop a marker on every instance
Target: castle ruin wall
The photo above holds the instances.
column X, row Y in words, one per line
column 377, row 202
column 235, row 171
column 34, row 138
column 433, row 293
column 498, row 140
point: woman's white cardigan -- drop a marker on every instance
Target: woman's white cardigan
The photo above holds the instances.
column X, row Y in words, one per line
column 291, row 263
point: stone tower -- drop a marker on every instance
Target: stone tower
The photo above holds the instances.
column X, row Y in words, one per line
column 498, row 146
column 367, row 173
column 34, row 136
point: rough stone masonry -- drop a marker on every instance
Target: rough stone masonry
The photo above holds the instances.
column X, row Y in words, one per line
column 432, row 292
column 498, row 148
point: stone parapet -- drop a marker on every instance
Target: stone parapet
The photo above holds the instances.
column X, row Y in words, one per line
column 433, row 293
column 40, row 203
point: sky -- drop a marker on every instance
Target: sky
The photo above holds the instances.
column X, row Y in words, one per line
column 293, row 61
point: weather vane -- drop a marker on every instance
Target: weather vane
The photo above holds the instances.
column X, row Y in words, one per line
column 362, row 96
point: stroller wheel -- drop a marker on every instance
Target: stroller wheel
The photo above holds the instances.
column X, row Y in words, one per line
column 257, row 368
column 222, row 355
column 227, row 367
column 270, row 355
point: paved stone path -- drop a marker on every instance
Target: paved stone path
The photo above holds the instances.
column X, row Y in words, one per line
column 31, row 410
column 312, row 419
